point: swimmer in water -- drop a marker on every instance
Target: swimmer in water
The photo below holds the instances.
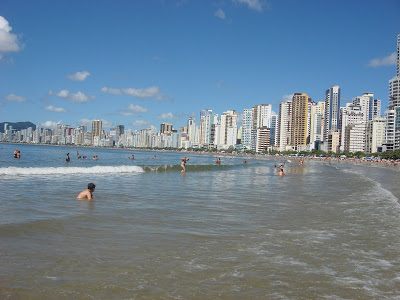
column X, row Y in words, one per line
column 87, row 194
column 67, row 159
column 280, row 171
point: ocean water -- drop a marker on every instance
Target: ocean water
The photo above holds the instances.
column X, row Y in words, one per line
column 229, row 231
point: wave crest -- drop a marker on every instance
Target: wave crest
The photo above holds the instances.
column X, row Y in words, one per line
column 11, row 171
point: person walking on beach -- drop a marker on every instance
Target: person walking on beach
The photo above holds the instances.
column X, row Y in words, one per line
column 87, row 194
column 67, row 158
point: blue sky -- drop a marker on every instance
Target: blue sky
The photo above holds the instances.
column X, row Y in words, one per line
column 145, row 62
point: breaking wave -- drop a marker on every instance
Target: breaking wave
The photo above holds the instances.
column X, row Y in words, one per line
column 11, row 171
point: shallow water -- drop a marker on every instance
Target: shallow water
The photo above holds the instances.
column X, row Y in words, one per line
column 234, row 231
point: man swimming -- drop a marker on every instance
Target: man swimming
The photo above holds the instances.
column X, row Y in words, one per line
column 87, row 194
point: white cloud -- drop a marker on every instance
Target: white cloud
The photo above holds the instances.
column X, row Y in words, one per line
column 15, row 98
column 140, row 123
column 8, row 41
column 136, row 108
column 220, row 14
column 167, row 116
column 49, row 124
column 385, row 61
column 286, row 98
column 55, row 109
column 252, row 4
column 79, row 76
column 78, row 97
column 150, row 92
column 107, row 90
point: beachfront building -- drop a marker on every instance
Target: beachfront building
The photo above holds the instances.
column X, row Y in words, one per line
column 332, row 108
column 247, row 125
column 350, row 115
column 192, row 133
column 285, row 125
column 273, row 131
column 299, row 124
column 228, row 129
column 393, row 112
column 375, row 135
column 261, row 123
column 205, row 127
column 316, row 123
column 165, row 128
column 97, row 127
column 355, row 139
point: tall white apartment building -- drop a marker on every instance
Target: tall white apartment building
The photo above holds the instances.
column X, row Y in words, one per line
column 262, row 115
column 285, row 125
column 205, row 127
column 261, row 119
column 354, row 139
column 317, row 111
column 192, row 133
column 375, row 135
column 228, row 129
column 393, row 113
column 350, row 115
column 332, row 108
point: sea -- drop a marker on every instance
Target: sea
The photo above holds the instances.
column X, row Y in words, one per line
column 326, row 230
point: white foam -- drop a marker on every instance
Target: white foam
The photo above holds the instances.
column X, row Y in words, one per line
column 11, row 171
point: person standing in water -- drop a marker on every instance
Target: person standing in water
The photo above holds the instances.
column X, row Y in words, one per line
column 280, row 171
column 183, row 163
column 87, row 194
column 67, row 158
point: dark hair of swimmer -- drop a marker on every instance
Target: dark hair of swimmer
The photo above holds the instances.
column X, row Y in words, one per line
column 91, row 186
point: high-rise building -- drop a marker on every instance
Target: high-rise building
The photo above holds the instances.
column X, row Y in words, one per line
column 299, row 124
column 393, row 112
column 375, row 135
column 350, row 115
column 228, row 129
column 247, row 124
column 205, row 126
column 316, row 121
column 166, row 128
column 332, row 108
column 97, row 127
column 285, row 124
column 273, row 131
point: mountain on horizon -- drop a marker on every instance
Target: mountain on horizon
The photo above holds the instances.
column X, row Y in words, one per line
column 17, row 125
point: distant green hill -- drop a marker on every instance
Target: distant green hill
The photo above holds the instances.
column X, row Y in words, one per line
column 18, row 125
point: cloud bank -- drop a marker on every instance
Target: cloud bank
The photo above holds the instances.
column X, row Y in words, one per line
column 150, row 92
column 78, row 97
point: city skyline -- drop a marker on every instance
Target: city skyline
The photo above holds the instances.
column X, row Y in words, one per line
column 151, row 62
